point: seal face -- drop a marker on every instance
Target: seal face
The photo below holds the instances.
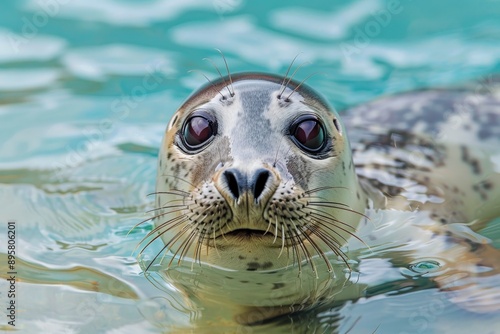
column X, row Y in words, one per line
column 256, row 171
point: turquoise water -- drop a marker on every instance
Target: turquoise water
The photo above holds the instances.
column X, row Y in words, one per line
column 86, row 90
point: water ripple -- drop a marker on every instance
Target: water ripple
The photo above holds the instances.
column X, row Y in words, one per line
column 18, row 48
column 119, row 12
column 335, row 24
column 101, row 62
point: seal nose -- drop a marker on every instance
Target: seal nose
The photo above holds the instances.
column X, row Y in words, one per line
column 238, row 183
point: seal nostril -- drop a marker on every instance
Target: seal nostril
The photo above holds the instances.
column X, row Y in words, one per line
column 232, row 183
column 237, row 183
column 260, row 182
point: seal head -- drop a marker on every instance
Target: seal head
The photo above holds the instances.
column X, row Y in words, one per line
column 255, row 173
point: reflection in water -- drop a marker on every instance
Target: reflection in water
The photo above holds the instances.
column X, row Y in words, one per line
column 82, row 278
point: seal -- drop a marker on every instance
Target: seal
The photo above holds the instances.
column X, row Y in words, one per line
column 258, row 185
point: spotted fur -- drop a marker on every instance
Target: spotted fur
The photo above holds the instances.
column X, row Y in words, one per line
column 431, row 147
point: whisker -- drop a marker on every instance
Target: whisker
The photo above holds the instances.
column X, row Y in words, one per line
column 291, row 78
column 295, row 251
column 166, row 246
column 171, row 192
column 228, row 72
column 276, row 232
column 333, row 205
column 277, row 152
column 154, row 217
column 318, row 250
column 286, row 75
column 186, row 244
column 333, row 245
column 219, row 210
column 329, row 217
column 215, row 242
column 291, row 243
column 197, row 250
column 183, row 207
column 211, row 82
column 196, row 230
column 220, row 155
column 156, row 256
column 137, row 225
column 202, row 233
column 300, row 84
column 268, row 227
column 183, row 245
column 282, row 239
column 180, row 220
column 180, row 179
column 164, row 225
column 353, row 325
column 167, row 207
column 310, row 191
column 304, row 249
column 220, row 74
column 296, row 70
column 327, row 224
column 316, row 199
column 330, row 241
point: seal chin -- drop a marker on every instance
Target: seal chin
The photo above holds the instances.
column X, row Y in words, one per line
column 237, row 237
column 245, row 233
column 259, row 237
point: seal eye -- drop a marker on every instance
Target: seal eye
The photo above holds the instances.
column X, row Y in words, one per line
column 197, row 130
column 309, row 134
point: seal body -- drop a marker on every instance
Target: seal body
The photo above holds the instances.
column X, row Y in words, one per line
column 257, row 186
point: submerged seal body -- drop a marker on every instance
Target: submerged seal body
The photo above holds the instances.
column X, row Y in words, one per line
column 258, row 181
